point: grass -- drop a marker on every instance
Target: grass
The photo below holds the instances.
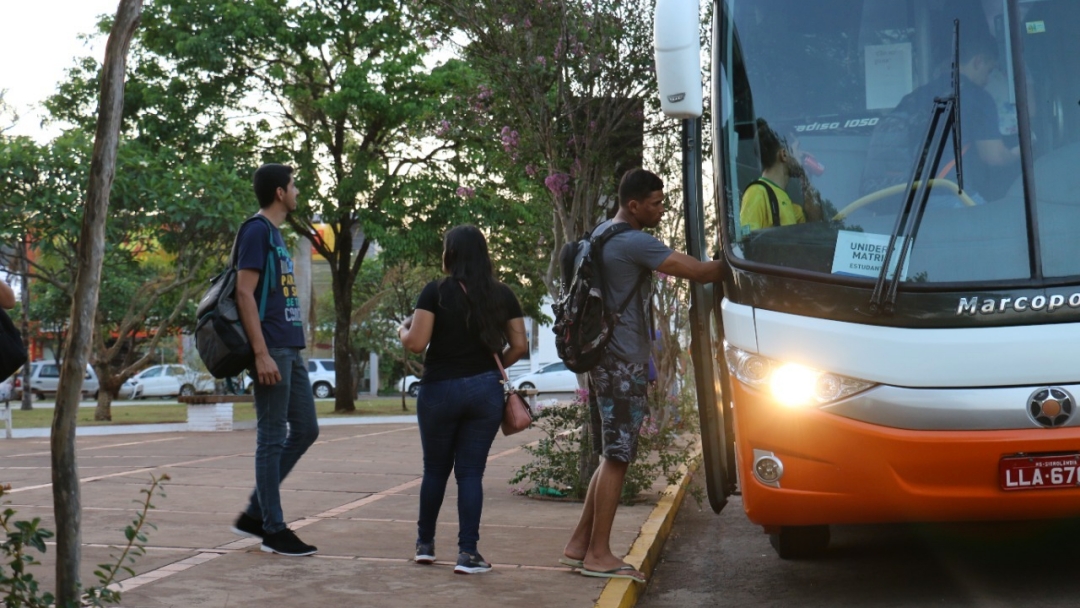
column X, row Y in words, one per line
column 41, row 417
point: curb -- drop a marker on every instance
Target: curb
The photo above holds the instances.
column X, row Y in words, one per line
column 645, row 552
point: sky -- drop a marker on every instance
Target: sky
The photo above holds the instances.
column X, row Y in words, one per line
column 39, row 44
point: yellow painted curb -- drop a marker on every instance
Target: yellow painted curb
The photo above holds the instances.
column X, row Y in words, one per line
column 645, row 552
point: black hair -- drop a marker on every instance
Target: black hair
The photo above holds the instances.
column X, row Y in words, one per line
column 637, row 185
column 974, row 43
column 769, row 144
column 467, row 261
column 267, row 179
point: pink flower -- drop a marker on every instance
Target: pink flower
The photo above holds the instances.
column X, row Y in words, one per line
column 558, row 183
column 444, row 128
column 531, row 170
column 464, row 192
column 510, row 140
column 541, row 60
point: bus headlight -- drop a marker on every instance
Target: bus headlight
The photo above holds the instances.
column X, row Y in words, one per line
column 791, row 384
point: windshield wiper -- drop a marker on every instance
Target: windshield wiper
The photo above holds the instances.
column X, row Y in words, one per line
column 944, row 120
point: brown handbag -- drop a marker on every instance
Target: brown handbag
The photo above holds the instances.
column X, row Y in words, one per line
column 516, row 413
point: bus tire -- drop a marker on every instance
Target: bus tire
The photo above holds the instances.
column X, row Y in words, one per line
column 800, row 542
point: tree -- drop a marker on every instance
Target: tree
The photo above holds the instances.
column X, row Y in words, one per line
column 65, row 478
column 175, row 203
column 354, row 105
column 170, row 221
column 8, row 115
column 563, row 87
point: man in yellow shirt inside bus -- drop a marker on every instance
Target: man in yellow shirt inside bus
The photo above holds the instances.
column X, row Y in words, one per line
column 765, row 202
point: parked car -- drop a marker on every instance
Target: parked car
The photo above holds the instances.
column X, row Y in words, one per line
column 410, row 384
column 127, row 389
column 171, row 380
column 6, row 390
column 323, row 380
column 45, row 378
column 550, row 378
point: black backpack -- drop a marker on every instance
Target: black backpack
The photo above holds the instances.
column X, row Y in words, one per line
column 12, row 352
column 583, row 323
column 220, row 338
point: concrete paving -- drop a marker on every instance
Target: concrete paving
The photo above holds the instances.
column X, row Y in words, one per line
column 354, row 495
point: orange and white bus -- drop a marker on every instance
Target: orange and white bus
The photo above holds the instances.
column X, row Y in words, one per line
column 911, row 351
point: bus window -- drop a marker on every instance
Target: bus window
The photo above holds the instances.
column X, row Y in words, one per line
column 852, row 82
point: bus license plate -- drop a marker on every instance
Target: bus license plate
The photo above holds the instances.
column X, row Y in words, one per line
column 1039, row 472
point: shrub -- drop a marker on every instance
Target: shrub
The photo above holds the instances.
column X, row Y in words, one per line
column 665, row 444
column 17, row 583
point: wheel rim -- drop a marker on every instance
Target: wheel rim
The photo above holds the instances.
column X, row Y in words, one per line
column 187, row 390
column 322, row 391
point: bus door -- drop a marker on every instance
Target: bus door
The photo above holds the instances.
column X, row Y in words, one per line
column 706, row 335
column 679, row 79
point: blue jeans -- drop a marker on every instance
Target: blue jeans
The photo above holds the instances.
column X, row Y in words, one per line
column 286, row 428
column 458, row 420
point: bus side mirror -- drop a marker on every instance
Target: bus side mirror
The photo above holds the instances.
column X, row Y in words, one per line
column 677, row 46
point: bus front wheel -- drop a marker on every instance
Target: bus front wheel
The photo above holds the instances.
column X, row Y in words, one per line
column 800, row 542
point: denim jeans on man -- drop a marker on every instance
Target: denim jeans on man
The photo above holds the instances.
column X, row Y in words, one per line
column 458, row 420
column 286, row 428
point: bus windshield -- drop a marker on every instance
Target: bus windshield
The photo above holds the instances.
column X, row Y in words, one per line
column 825, row 107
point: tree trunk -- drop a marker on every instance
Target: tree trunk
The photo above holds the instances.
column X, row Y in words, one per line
column 24, row 253
column 343, row 278
column 587, row 460
column 107, row 387
column 345, row 397
column 91, row 249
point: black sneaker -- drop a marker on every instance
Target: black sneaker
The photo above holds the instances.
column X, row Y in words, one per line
column 247, row 525
column 286, row 542
column 471, row 563
column 425, row 553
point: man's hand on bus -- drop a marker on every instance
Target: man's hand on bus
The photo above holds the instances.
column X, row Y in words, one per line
column 686, row 267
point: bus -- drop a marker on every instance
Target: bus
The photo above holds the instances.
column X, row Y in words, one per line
column 909, row 349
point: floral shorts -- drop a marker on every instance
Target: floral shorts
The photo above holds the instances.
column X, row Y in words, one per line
column 617, row 405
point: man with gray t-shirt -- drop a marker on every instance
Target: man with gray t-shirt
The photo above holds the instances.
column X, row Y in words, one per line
column 617, row 385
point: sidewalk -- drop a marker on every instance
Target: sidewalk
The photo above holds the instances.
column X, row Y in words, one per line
column 354, row 495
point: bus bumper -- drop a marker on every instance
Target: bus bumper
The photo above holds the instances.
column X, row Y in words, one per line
column 837, row 470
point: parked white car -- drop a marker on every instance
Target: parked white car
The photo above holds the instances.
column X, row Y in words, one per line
column 171, row 380
column 550, row 378
column 45, row 379
column 321, row 375
column 410, row 384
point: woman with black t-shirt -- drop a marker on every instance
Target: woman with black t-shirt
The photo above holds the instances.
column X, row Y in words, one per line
column 462, row 320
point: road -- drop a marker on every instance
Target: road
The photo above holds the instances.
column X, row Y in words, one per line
column 724, row 560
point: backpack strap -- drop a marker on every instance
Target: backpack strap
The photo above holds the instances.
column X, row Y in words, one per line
column 774, row 203
column 598, row 243
column 271, row 255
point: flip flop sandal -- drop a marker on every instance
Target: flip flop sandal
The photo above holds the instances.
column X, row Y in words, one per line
column 625, row 571
column 573, row 563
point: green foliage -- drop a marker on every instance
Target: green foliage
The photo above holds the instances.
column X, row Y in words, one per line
column 665, row 444
column 557, row 454
column 171, row 220
column 385, row 296
column 17, row 583
column 555, row 107
column 346, row 92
